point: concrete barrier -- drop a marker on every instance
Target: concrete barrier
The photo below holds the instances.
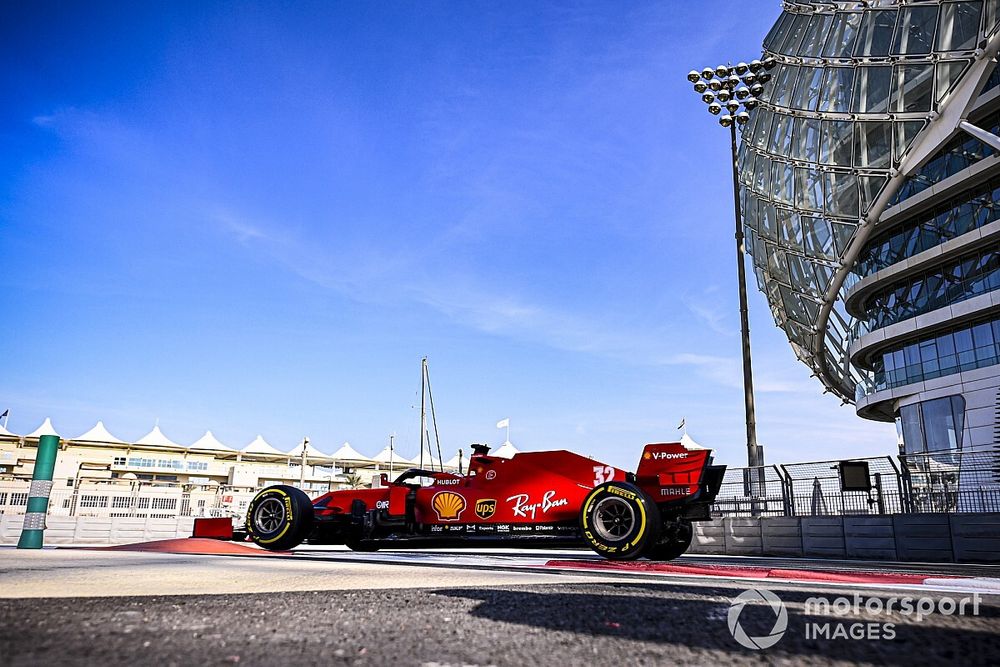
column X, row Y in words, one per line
column 709, row 537
column 742, row 537
column 869, row 537
column 781, row 536
column 975, row 537
column 61, row 530
column 923, row 537
column 823, row 536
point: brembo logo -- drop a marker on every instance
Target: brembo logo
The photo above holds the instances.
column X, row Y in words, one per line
column 660, row 456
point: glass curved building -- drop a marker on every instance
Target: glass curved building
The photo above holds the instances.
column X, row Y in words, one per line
column 870, row 184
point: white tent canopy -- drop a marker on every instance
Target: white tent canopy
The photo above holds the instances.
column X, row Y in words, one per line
column 262, row 447
column 383, row 457
column 311, row 452
column 348, row 453
column 505, row 451
column 210, row 443
column 689, row 443
column 4, row 431
column 99, row 434
column 430, row 461
column 453, row 462
column 155, row 438
column 45, row 429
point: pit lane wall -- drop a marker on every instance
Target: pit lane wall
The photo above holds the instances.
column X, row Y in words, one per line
column 904, row 537
column 98, row 530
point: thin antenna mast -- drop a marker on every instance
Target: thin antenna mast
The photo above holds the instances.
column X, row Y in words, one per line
column 437, row 436
column 423, row 411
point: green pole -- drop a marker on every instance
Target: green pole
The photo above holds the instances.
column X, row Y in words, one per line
column 38, row 494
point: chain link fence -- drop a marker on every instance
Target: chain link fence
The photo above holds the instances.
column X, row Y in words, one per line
column 948, row 481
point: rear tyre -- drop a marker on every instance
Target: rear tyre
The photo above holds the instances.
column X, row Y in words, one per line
column 618, row 520
column 676, row 540
column 279, row 517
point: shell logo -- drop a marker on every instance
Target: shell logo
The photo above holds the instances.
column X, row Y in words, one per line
column 647, row 456
column 448, row 505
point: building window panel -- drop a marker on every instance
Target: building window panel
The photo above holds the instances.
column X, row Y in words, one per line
column 762, row 176
column 818, row 237
column 815, row 37
column 763, row 130
column 800, row 272
column 808, row 188
column 768, row 221
column 824, row 275
column 781, row 134
column 870, row 187
column 806, row 95
column 794, row 34
column 903, row 135
column 782, row 182
column 789, row 229
column 992, row 14
column 793, row 306
column 779, row 32
column 838, row 83
column 784, row 84
column 841, row 191
column 915, row 30
column 946, row 75
column 837, row 144
column 871, row 89
column 843, row 32
column 807, row 139
column 873, row 144
column 777, row 265
column 958, row 29
column 913, row 87
column 875, row 35
column 750, row 213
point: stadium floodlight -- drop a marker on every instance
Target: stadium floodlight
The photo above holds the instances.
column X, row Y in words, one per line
column 737, row 91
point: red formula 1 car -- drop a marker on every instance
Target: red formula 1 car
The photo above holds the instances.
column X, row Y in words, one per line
column 533, row 498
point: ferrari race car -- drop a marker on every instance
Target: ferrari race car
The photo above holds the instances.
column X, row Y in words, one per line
column 532, row 499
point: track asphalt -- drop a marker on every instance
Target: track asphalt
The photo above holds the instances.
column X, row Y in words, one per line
column 332, row 607
column 555, row 624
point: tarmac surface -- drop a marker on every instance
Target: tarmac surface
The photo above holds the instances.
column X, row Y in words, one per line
column 76, row 607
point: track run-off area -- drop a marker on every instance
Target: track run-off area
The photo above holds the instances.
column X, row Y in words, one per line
column 325, row 563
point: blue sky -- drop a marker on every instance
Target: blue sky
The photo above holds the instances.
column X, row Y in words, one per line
column 257, row 217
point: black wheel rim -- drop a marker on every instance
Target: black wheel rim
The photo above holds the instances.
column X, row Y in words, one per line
column 269, row 515
column 614, row 519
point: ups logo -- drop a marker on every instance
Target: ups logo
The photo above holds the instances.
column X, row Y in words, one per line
column 485, row 508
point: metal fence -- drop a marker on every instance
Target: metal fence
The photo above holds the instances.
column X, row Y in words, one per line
column 948, row 481
column 127, row 501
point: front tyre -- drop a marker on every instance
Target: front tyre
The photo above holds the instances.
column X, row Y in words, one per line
column 618, row 520
column 279, row 517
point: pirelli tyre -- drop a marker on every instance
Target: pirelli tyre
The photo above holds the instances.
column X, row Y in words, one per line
column 675, row 539
column 618, row 520
column 279, row 517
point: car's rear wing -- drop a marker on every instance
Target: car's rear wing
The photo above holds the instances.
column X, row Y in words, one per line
column 672, row 471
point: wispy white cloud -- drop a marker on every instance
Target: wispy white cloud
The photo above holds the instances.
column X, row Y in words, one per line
column 463, row 301
column 706, row 308
column 243, row 230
